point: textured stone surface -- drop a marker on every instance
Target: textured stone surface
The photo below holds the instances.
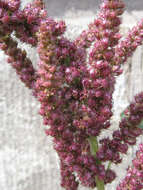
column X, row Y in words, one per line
column 27, row 159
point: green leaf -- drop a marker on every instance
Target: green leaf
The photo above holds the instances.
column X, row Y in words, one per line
column 141, row 125
column 122, row 115
column 67, row 61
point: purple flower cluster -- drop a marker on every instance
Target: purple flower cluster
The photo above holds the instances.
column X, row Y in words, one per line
column 105, row 27
column 25, row 24
column 134, row 176
column 18, row 60
column 75, row 94
column 126, row 47
column 59, row 87
column 124, row 136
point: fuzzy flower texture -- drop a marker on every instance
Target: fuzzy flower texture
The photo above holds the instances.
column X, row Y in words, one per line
column 134, row 177
column 74, row 83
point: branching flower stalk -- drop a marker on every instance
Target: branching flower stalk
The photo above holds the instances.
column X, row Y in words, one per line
column 75, row 93
column 134, row 176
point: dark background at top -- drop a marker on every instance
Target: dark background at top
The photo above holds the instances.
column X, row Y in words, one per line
column 59, row 7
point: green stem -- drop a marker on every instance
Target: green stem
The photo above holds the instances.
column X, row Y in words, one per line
column 93, row 145
column 109, row 165
column 93, row 149
column 99, row 183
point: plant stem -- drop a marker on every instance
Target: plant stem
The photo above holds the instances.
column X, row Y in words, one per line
column 93, row 149
column 99, row 183
column 109, row 165
column 93, row 145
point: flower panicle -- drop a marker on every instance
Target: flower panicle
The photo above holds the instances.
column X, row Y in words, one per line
column 105, row 27
column 134, row 176
column 126, row 135
column 75, row 93
column 128, row 45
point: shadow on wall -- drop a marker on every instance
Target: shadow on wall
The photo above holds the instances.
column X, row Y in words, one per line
column 60, row 7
